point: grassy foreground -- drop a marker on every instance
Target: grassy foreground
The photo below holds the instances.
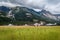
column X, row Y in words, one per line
column 29, row 33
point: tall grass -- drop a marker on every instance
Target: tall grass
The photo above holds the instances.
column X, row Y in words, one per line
column 29, row 33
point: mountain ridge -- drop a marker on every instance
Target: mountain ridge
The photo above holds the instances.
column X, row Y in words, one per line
column 27, row 14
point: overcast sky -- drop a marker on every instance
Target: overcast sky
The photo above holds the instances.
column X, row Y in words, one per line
column 51, row 5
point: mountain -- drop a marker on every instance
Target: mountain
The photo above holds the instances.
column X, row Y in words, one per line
column 46, row 15
column 4, row 9
column 24, row 13
column 49, row 17
column 19, row 13
column 56, row 14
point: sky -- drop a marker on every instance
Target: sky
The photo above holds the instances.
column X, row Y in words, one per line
column 51, row 5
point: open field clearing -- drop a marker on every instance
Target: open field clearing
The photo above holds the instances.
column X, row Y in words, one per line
column 29, row 33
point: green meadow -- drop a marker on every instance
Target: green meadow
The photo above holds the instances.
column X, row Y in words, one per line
column 29, row 33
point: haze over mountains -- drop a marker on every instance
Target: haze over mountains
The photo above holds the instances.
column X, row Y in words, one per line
column 20, row 13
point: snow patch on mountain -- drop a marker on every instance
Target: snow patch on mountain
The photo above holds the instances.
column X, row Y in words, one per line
column 37, row 10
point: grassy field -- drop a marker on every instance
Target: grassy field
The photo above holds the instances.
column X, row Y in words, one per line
column 29, row 33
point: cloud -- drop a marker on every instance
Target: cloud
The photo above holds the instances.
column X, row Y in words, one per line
column 51, row 5
column 53, row 2
column 55, row 9
column 8, row 4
